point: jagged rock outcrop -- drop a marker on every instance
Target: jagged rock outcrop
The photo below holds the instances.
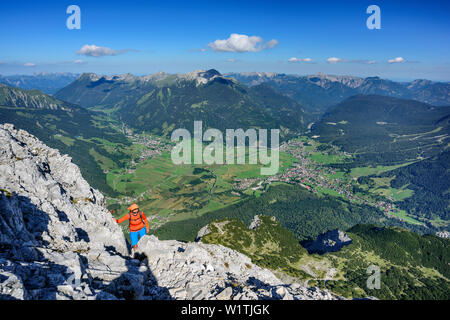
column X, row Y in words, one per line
column 256, row 222
column 202, row 232
column 53, row 225
column 330, row 241
column 58, row 241
column 206, row 271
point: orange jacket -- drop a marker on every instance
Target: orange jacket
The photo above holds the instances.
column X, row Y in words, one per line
column 136, row 223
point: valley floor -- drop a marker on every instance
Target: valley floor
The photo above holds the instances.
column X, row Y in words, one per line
column 169, row 192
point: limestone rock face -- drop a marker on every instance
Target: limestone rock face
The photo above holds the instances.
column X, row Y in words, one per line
column 46, row 201
column 58, row 241
column 208, row 271
column 201, row 233
column 255, row 223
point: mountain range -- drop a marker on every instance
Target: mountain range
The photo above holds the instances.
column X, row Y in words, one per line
column 32, row 99
column 320, row 91
column 161, row 103
column 317, row 91
column 43, row 81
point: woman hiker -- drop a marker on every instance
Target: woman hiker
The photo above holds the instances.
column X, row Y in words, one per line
column 138, row 224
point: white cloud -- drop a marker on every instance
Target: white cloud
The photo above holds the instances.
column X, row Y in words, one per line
column 241, row 43
column 96, row 51
column 371, row 62
column 78, row 61
column 272, row 43
column 396, row 60
column 29, row 64
column 334, row 60
column 293, row 59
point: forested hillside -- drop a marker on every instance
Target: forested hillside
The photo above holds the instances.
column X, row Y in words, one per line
column 384, row 130
column 303, row 213
column 411, row 266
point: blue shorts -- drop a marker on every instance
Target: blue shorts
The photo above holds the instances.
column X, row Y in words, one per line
column 135, row 236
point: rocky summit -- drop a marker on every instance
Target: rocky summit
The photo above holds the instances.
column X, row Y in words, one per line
column 58, row 241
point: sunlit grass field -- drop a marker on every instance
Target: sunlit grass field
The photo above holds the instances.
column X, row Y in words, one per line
column 186, row 190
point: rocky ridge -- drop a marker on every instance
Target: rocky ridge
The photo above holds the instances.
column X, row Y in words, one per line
column 200, row 77
column 58, row 241
column 16, row 97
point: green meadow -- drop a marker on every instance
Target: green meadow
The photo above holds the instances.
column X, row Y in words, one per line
column 402, row 214
column 183, row 191
column 367, row 171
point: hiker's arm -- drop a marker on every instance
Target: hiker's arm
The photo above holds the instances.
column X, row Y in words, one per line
column 146, row 222
column 124, row 218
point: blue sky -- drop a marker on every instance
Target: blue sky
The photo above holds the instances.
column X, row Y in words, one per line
column 143, row 37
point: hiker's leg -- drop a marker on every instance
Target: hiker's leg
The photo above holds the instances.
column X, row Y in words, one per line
column 139, row 235
column 142, row 233
column 134, row 239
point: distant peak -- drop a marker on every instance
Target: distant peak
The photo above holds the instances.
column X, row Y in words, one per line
column 90, row 76
column 212, row 72
column 95, row 77
column 202, row 76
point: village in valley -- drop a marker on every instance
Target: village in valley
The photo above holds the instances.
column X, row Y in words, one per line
column 314, row 176
column 311, row 168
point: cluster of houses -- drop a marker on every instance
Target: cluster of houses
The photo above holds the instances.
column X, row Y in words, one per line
column 311, row 176
column 246, row 183
column 154, row 146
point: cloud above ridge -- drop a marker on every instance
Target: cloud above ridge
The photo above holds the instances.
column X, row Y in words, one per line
column 242, row 43
column 396, row 60
column 294, row 59
column 96, row 51
column 334, row 60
